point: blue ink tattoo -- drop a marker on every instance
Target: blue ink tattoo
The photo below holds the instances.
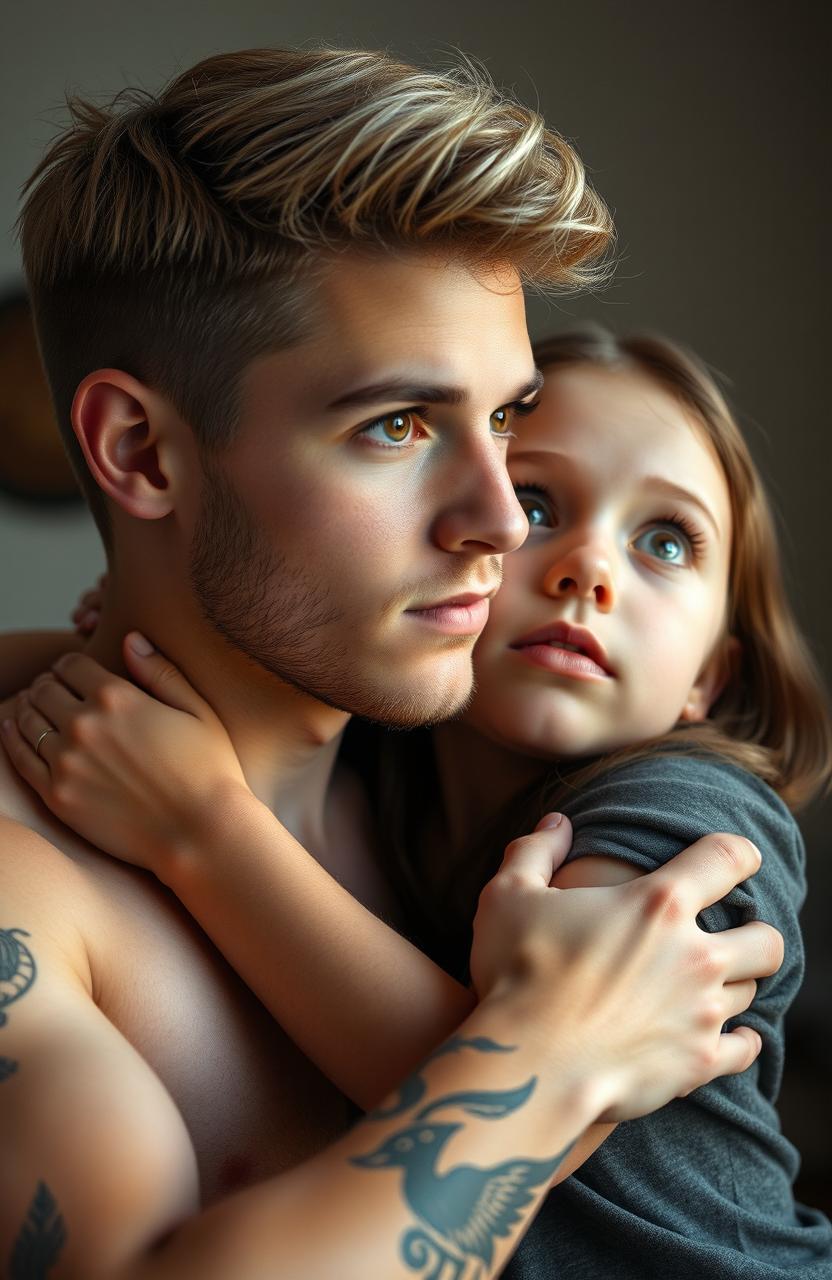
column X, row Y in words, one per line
column 466, row 1209
column 17, row 969
column 41, row 1238
column 413, row 1089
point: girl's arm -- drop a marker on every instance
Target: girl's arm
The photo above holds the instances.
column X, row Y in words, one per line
column 285, row 925
column 25, row 653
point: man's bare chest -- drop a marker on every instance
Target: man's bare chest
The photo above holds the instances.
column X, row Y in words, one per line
column 251, row 1102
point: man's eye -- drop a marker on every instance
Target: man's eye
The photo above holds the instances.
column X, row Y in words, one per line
column 393, row 429
column 502, row 419
column 668, row 545
column 539, row 510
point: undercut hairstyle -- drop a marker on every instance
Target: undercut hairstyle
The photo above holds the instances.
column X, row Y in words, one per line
column 177, row 236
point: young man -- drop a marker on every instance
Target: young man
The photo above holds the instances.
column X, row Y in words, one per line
column 280, row 308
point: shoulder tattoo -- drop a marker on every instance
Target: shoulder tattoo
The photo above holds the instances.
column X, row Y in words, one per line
column 17, row 969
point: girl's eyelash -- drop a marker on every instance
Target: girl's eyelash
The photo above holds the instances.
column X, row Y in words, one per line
column 693, row 534
column 539, row 489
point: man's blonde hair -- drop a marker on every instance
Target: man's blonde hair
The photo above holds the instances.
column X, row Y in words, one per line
column 176, row 235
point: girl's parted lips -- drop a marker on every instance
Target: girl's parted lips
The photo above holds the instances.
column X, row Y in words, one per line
column 563, row 634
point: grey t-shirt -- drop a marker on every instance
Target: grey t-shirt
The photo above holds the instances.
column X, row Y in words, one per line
column 701, row 1190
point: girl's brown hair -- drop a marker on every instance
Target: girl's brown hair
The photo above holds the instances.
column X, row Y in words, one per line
column 771, row 717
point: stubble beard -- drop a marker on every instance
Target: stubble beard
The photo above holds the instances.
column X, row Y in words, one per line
column 284, row 619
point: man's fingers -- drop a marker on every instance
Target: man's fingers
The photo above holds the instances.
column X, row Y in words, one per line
column 536, row 857
column 31, row 767
column 754, row 950
column 159, row 676
column 705, row 872
column 738, row 997
column 737, row 1050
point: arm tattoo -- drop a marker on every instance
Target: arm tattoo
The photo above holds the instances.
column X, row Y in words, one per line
column 17, row 969
column 8, row 1066
column 462, row 1212
column 40, row 1240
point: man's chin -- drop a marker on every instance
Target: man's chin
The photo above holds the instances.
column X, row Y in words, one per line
column 396, row 709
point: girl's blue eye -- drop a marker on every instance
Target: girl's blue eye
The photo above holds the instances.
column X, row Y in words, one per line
column 666, row 544
column 538, row 509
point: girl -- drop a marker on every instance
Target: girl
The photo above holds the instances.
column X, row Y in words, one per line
column 641, row 670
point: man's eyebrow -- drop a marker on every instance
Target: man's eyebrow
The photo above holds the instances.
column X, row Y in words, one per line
column 413, row 392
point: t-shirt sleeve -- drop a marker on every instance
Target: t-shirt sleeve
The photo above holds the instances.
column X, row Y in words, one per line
column 648, row 811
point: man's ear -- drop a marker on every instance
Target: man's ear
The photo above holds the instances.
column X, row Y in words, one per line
column 711, row 680
column 124, row 428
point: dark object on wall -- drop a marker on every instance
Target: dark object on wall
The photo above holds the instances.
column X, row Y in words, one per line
column 33, row 463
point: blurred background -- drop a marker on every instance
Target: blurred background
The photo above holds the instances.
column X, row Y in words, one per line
column 704, row 126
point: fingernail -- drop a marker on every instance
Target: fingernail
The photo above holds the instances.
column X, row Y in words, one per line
column 6, row 726
column 549, row 821
column 140, row 644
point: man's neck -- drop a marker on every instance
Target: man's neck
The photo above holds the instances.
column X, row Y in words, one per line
column 286, row 741
column 477, row 778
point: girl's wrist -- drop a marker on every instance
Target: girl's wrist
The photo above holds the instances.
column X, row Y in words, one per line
column 208, row 835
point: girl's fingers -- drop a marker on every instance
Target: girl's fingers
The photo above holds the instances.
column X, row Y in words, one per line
column 536, row 857
column 57, row 703
column 31, row 767
column 159, row 676
column 39, row 734
column 88, row 622
column 83, row 675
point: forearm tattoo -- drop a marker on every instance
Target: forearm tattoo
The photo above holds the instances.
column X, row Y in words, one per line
column 40, row 1240
column 463, row 1211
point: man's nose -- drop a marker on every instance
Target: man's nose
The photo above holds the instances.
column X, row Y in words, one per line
column 482, row 512
column 584, row 572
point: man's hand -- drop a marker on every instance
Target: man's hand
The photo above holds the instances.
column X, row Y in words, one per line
column 629, row 964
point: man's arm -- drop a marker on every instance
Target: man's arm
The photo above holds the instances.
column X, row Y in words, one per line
column 97, row 1176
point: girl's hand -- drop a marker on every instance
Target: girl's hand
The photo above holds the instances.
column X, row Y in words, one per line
column 87, row 612
column 141, row 777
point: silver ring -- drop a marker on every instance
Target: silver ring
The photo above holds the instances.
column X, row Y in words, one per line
column 45, row 734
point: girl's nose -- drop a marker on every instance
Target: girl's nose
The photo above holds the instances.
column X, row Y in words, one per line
column 584, row 572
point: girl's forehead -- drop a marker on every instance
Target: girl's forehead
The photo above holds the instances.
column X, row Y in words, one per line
column 617, row 430
column 594, row 412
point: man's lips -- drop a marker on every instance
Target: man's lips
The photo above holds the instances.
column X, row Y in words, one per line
column 463, row 599
column 565, row 639
column 464, row 614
